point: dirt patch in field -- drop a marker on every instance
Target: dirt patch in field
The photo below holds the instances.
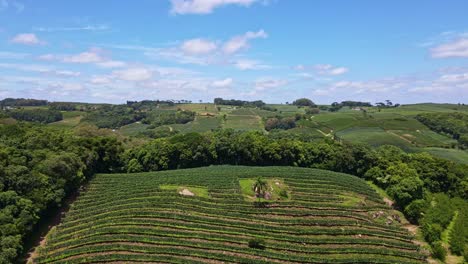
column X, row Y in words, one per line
column 388, row 201
column 186, row 192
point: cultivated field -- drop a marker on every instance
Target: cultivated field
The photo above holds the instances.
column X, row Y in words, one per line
column 209, row 215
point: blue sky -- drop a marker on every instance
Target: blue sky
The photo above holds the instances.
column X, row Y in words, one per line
column 273, row 50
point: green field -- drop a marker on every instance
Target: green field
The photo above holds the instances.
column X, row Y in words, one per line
column 327, row 218
column 243, row 122
column 460, row 156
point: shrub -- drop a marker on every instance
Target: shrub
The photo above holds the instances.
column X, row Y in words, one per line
column 257, row 243
column 431, row 232
column 438, row 251
column 283, row 194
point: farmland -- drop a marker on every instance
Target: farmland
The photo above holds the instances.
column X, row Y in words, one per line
column 327, row 217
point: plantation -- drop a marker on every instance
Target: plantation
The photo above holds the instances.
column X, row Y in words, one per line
column 327, row 218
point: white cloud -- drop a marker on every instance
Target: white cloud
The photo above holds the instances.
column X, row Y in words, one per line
column 327, row 69
column 134, row 74
column 458, row 48
column 81, row 28
column 91, row 56
column 203, row 6
column 247, row 64
column 111, row 64
column 27, row 39
column 198, row 46
column 43, row 69
column 47, row 57
column 67, row 73
column 238, row 43
column 100, row 80
column 13, row 55
column 222, row 83
column 451, row 78
column 267, row 83
column 323, row 69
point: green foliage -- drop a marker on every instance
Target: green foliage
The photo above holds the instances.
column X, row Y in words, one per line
column 431, row 232
column 114, row 116
column 257, row 243
column 260, row 187
column 39, row 166
column 459, row 234
column 439, row 251
column 455, row 124
column 167, row 117
column 304, row 102
column 283, row 123
column 21, row 102
column 36, row 115
column 415, row 210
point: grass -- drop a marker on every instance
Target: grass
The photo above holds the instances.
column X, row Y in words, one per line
column 200, row 124
column 142, row 218
column 374, row 137
column 456, row 155
column 133, row 129
column 243, row 122
column 197, row 191
column 276, row 187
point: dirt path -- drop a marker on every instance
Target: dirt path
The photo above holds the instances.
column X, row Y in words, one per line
column 38, row 239
column 403, row 138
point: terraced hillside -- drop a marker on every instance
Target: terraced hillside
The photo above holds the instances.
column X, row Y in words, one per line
column 209, row 215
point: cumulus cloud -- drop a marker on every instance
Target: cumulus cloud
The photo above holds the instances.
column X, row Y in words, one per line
column 134, row 74
column 99, row 80
column 111, row 64
column 47, row 57
column 13, row 55
column 208, row 52
column 198, row 46
column 238, row 43
column 323, row 69
column 457, row 48
column 43, row 69
column 91, row 56
column 203, row 6
column 222, row 83
column 327, row 69
column 247, row 64
column 267, row 83
column 27, row 39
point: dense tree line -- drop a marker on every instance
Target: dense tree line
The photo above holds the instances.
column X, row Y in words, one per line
column 280, row 123
column 167, row 117
column 148, row 104
column 304, row 102
column 335, row 106
column 221, row 101
column 113, row 116
column 405, row 176
column 62, row 106
column 15, row 102
column 38, row 168
column 454, row 124
column 35, row 115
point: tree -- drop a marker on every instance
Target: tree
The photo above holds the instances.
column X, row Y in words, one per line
column 260, row 187
column 304, row 102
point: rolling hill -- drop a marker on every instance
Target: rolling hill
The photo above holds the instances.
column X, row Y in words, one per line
column 211, row 215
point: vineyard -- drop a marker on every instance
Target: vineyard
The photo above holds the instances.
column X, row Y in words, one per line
column 205, row 215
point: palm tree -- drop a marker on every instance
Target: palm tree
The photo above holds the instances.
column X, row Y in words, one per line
column 260, row 187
